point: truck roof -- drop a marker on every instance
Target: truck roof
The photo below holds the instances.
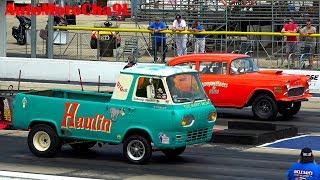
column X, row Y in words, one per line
column 157, row 70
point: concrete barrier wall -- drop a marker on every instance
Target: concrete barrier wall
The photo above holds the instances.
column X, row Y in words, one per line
column 59, row 69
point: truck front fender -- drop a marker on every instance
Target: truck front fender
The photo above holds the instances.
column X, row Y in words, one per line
column 138, row 131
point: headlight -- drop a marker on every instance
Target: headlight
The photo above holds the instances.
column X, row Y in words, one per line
column 212, row 116
column 308, row 82
column 187, row 120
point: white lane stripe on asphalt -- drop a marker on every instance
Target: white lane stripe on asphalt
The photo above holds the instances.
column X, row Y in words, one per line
column 280, row 140
column 11, row 174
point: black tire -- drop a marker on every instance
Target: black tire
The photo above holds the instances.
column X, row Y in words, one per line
column 172, row 153
column 22, row 40
column 264, row 107
column 289, row 109
column 50, row 145
column 83, row 146
column 137, row 141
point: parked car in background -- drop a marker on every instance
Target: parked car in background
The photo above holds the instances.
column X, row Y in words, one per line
column 235, row 81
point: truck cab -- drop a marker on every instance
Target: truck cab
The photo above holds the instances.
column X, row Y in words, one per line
column 151, row 108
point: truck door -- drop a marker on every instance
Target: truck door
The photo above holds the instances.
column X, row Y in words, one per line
column 151, row 94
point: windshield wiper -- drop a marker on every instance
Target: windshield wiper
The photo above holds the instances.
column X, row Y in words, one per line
column 198, row 99
column 183, row 99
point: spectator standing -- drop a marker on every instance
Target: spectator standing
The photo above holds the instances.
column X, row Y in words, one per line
column 179, row 25
column 291, row 41
column 310, row 42
column 306, row 167
column 200, row 40
column 158, row 39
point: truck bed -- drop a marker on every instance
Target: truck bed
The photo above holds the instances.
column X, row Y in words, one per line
column 77, row 95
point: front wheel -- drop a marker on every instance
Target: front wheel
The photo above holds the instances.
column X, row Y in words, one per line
column 137, row 149
column 290, row 109
column 174, row 152
column 43, row 141
column 264, row 108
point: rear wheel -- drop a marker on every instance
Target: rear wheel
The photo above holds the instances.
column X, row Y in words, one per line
column 43, row 141
column 137, row 149
column 289, row 109
column 82, row 146
column 174, row 152
column 264, row 107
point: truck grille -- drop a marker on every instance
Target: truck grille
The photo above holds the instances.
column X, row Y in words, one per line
column 296, row 91
column 197, row 136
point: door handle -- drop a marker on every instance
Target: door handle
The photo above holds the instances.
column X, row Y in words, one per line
column 131, row 108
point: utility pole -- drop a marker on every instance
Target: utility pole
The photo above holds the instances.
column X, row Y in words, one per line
column 3, row 28
column 33, row 32
column 50, row 34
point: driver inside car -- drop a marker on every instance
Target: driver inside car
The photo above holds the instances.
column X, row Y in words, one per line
column 234, row 70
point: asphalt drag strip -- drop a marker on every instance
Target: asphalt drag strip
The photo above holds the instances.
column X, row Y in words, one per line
column 208, row 161
column 221, row 161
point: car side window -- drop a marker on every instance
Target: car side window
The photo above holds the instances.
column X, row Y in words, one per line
column 150, row 88
column 213, row 68
column 241, row 66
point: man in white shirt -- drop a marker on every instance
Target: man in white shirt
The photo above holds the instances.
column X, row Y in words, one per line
column 181, row 39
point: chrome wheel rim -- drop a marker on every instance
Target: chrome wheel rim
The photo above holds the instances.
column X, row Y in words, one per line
column 136, row 150
column 41, row 141
column 264, row 107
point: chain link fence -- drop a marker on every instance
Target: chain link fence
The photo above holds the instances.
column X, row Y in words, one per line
column 105, row 46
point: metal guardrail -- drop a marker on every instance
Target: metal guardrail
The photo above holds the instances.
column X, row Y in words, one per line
column 132, row 30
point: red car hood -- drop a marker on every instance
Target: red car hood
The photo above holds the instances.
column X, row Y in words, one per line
column 279, row 76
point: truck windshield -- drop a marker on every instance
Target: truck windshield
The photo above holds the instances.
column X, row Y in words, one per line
column 185, row 88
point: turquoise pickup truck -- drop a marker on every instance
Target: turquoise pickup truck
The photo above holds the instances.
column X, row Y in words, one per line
column 151, row 108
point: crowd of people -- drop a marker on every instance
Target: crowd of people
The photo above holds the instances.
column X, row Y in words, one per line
column 292, row 42
column 158, row 39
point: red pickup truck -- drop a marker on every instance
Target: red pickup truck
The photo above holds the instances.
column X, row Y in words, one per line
column 235, row 81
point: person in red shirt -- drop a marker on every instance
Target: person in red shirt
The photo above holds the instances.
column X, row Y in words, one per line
column 291, row 41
